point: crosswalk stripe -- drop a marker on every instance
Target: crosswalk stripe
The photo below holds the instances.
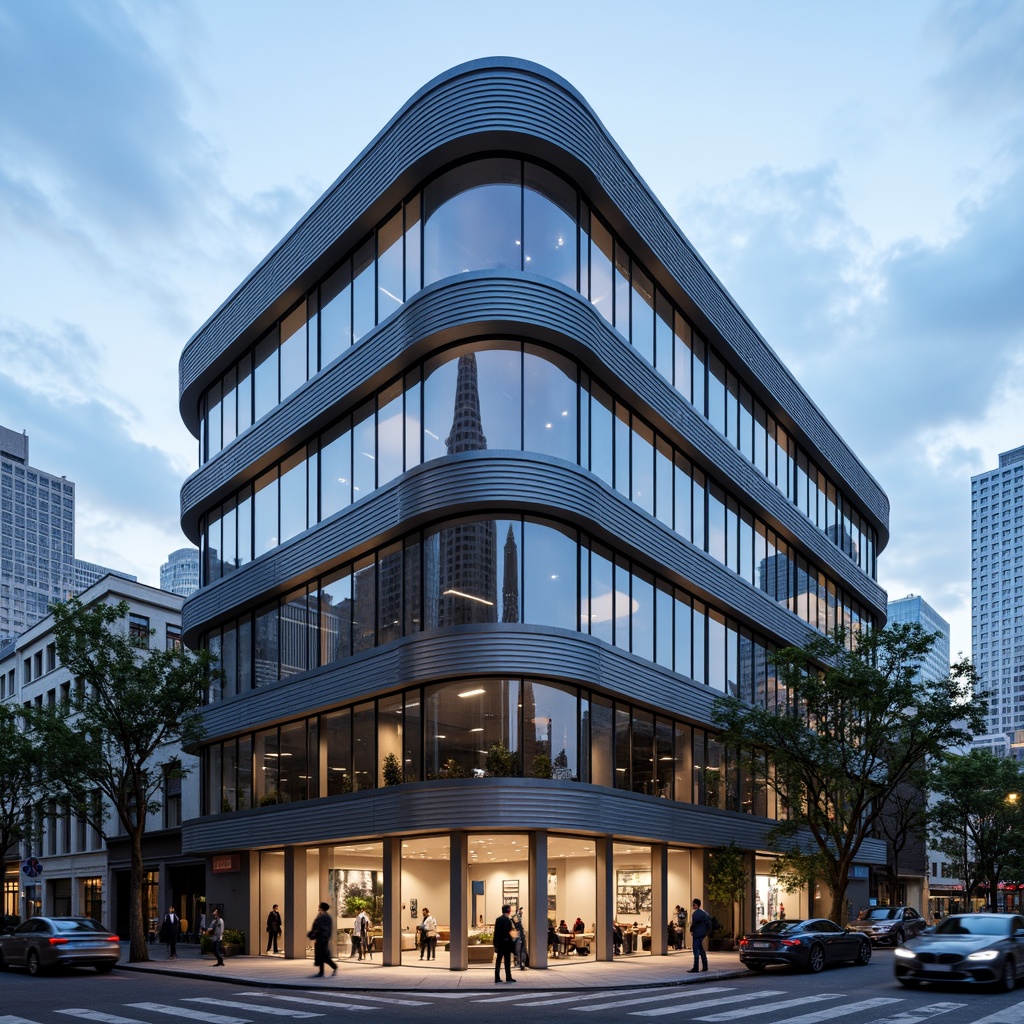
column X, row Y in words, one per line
column 1007, row 1015
column 919, row 1013
column 528, row 999
column 840, row 1011
column 749, row 1011
column 102, row 1018
column 15, row 1020
column 664, row 1011
column 272, row 1011
column 175, row 1011
column 348, row 995
column 677, row 993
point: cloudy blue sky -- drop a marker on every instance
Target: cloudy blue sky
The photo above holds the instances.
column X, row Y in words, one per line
column 853, row 173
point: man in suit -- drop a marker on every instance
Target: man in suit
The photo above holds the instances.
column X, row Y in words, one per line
column 504, row 943
column 700, row 927
column 170, row 932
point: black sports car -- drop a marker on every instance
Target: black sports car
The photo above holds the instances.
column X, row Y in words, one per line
column 965, row 948
column 808, row 944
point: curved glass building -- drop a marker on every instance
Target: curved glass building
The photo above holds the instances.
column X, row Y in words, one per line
column 498, row 489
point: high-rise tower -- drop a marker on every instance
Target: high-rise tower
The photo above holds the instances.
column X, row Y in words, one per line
column 37, row 542
column 997, row 599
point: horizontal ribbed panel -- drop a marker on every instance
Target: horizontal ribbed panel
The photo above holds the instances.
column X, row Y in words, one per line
column 478, row 804
column 464, row 652
column 525, row 107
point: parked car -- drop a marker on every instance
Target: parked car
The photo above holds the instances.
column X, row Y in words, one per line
column 890, row 924
column 42, row 943
column 808, row 944
column 973, row 949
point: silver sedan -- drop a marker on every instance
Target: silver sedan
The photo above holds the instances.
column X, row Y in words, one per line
column 42, row 943
column 971, row 949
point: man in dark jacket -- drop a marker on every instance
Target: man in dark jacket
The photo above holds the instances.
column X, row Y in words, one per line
column 504, row 943
column 273, row 928
column 700, row 925
column 320, row 932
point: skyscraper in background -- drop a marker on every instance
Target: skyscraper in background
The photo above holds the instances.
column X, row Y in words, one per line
column 913, row 608
column 997, row 599
column 180, row 573
column 37, row 537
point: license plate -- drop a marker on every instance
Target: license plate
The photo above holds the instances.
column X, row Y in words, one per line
column 938, row 967
column 760, row 945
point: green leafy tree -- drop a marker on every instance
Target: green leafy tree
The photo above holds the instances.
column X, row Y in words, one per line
column 18, row 766
column 857, row 724
column 978, row 819
column 121, row 729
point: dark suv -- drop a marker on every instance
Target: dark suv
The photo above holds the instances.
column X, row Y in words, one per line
column 889, row 924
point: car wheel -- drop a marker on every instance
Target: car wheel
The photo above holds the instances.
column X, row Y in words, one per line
column 754, row 967
column 908, row 982
column 897, row 939
column 863, row 957
column 1009, row 976
column 32, row 962
column 816, row 959
column 104, row 968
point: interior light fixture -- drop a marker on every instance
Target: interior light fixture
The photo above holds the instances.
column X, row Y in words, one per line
column 468, row 597
column 473, row 693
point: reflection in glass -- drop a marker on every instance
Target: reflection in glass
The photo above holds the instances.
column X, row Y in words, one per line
column 473, row 219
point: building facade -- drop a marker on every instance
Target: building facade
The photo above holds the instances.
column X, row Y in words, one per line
column 37, row 537
column 180, row 573
column 498, row 490
column 997, row 600
column 88, row 573
column 80, row 871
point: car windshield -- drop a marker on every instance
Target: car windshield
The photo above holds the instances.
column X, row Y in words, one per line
column 779, row 927
column 973, row 926
column 78, row 924
column 882, row 914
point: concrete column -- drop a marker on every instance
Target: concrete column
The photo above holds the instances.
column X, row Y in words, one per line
column 659, row 899
column 537, row 911
column 458, row 897
column 323, row 888
column 392, row 901
column 605, row 884
column 295, row 912
column 253, row 926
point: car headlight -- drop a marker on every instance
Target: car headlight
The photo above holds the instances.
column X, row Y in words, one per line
column 907, row 954
column 984, row 954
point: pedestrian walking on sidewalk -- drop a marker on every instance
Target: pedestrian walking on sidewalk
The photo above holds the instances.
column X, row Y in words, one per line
column 320, row 932
column 216, row 933
column 700, row 925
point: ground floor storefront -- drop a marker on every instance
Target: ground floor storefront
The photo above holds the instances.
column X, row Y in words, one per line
column 579, row 897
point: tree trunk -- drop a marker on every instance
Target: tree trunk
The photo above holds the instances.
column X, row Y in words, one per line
column 137, row 924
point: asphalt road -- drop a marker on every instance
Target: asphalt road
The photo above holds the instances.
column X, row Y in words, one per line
column 851, row 995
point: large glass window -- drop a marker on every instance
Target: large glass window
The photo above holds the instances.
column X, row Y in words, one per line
column 464, row 720
column 473, row 219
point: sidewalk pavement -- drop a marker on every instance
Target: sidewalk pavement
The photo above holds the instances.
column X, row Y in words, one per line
column 626, row 972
